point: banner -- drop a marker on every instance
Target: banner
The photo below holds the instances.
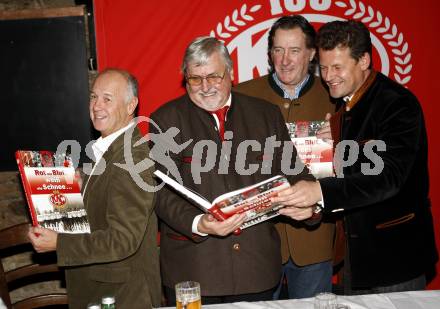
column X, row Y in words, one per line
column 149, row 38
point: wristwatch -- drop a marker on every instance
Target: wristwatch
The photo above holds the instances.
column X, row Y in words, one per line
column 317, row 208
column 316, row 215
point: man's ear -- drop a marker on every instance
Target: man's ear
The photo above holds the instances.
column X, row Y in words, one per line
column 365, row 61
column 131, row 106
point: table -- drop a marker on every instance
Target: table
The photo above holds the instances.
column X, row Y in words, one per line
column 401, row 300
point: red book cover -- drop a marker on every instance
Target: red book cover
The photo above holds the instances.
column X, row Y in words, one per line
column 52, row 191
column 316, row 154
column 254, row 200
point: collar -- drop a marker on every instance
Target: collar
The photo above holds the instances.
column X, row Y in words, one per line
column 298, row 87
column 228, row 103
column 278, row 90
column 355, row 97
column 102, row 144
column 347, row 98
column 100, row 147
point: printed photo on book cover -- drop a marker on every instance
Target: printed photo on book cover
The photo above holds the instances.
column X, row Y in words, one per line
column 316, row 153
column 53, row 192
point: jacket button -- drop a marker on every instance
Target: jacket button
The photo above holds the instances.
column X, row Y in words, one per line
column 236, row 247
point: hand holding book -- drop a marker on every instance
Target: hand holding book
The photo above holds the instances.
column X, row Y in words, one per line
column 252, row 202
column 325, row 132
column 43, row 240
column 209, row 225
column 299, row 200
column 313, row 142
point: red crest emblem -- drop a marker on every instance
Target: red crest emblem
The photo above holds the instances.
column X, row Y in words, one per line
column 57, row 199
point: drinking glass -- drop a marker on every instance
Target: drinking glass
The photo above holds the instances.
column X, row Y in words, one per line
column 325, row 301
column 188, row 295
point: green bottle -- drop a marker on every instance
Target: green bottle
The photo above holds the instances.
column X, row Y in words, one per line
column 108, row 302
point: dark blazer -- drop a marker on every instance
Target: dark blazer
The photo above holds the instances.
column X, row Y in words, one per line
column 251, row 261
column 387, row 217
column 120, row 256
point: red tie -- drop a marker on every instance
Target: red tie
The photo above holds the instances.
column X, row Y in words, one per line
column 221, row 115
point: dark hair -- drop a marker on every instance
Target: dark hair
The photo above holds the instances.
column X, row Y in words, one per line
column 287, row 23
column 350, row 33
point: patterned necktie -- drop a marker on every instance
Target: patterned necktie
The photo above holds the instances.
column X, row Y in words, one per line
column 221, row 115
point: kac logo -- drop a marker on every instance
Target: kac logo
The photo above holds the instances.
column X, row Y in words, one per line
column 57, row 199
column 245, row 33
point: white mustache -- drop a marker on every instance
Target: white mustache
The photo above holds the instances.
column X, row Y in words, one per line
column 207, row 93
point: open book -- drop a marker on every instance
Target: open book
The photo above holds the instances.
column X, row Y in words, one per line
column 254, row 200
column 52, row 191
column 315, row 153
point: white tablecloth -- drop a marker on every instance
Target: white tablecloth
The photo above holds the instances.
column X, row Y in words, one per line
column 402, row 300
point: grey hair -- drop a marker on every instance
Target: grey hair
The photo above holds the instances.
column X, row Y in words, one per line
column 132, row 90
column 201, row 49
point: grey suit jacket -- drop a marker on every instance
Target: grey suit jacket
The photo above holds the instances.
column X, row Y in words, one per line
column 119, row 257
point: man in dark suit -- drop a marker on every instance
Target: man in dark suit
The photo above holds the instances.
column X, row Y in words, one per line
column 389, row 238
column 119, row 257
column 195, row 246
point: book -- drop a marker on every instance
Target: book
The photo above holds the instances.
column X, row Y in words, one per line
column 253, row 200
column 315, row 153
column 52, row 191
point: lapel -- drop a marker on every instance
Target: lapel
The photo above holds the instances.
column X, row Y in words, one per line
column 335, row 125
column 361, row 91
column 336, row 119
column 108, row 159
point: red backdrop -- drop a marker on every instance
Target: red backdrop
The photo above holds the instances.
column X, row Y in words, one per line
column 149, row 37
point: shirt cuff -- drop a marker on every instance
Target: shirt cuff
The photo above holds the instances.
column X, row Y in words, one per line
column 321, row 202
column 194, row 226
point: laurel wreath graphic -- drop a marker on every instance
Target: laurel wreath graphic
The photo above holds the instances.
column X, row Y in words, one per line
column 374, row 20
column 383, row 27
column 239, row 19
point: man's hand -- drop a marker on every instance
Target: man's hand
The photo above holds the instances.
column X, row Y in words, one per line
column 209, row 225
column 299, row 200
column 43, row 240
column 325, row 132
column 297, row 213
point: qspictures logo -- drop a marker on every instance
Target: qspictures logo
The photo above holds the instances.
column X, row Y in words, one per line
column 245, row 31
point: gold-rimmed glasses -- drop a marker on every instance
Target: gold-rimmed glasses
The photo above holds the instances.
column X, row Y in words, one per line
column 212, row 79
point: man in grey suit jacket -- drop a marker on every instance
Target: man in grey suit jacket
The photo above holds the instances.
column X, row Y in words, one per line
column 119, row 257
column 195, row 246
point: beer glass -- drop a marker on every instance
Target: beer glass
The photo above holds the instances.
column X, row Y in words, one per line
column 188, row 295
column 325, row 301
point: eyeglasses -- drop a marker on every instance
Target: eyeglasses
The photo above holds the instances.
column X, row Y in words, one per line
column 212, row 79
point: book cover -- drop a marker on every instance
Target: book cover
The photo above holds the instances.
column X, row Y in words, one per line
column 315, row 153
column 253, row 200
column 52, row 191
